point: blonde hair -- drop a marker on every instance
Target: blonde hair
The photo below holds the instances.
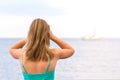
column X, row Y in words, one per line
column 38, row 43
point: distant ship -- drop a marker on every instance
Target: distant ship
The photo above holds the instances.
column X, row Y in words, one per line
column 92, row 36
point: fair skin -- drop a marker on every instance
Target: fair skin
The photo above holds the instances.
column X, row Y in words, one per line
column 63, row 52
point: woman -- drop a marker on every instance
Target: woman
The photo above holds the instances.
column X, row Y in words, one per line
column 36, row 58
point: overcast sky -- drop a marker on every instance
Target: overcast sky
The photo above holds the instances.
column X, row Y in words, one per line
column 67, row 18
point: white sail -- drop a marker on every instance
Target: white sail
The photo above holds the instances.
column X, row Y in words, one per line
column 92, row 36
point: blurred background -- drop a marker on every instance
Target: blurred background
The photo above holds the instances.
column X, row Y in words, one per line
column 92, row 27
column 71, row 19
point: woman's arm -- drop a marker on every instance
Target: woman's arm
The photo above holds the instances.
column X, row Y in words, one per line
column 66, row 50
column 16, row 48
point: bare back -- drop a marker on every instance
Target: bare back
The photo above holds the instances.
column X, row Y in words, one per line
column 37, row 67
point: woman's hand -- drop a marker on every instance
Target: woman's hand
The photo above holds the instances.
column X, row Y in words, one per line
column 25, row 40
column 51, row 35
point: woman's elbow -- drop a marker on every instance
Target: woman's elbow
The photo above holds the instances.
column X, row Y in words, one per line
column 10, row 50
column 72, row 51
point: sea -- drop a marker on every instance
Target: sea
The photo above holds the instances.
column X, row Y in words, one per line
column 92, row 60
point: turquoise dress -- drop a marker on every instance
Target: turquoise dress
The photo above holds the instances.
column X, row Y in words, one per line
column 40, row 76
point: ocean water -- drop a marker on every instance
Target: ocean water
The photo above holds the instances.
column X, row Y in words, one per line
column 92, row 60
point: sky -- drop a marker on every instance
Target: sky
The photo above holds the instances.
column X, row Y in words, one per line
column 67, row 18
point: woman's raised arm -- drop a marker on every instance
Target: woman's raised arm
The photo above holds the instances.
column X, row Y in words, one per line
column 66, row 49
column 15, row 48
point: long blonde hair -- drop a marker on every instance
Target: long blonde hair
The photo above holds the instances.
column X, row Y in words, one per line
column 38, row 41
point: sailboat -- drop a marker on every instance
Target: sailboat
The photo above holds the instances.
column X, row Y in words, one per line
column 92, row 36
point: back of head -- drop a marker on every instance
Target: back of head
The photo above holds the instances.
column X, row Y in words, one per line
column 38, row 41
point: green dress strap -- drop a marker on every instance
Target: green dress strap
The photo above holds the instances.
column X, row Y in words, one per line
column 48, row 66
column 23, row 61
